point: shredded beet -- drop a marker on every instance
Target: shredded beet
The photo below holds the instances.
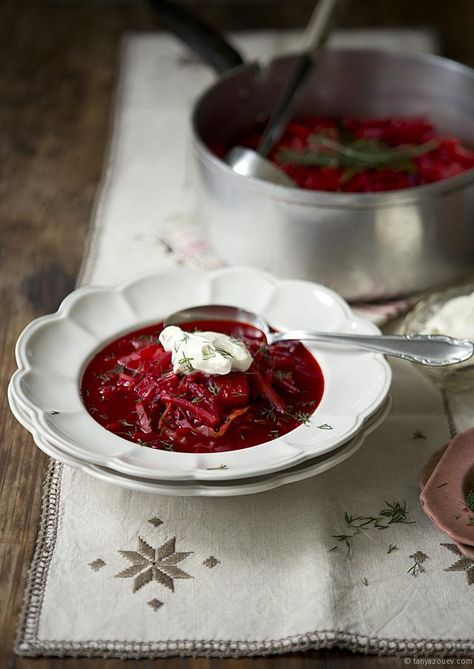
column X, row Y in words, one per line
column 130, row 388
column 363, row 155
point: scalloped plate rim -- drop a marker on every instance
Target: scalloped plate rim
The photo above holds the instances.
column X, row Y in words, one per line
column 63, row 313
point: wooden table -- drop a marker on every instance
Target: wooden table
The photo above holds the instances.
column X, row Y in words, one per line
column 56, row 85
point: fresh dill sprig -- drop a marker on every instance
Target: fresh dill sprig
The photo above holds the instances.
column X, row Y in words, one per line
column 395, row 512
column 268, row 412
column 208, row 352
column 213, row 388
column 118, row 369
column 303, row 417
column 102, row 377
column 186, row 364
column 223, row 352
column 238, row 342
column 470, row 499
column 418, row 435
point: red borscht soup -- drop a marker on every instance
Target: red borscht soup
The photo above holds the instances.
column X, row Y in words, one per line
column 362, row 155
column 129, row 387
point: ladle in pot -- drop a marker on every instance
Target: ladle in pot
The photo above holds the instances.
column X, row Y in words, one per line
column 250, row 163
column 431, row 350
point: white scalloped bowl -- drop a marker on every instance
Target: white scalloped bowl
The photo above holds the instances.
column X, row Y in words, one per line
column 53, row 351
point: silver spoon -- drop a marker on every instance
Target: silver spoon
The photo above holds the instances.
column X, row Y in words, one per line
column 250, row 163
column 431, row 350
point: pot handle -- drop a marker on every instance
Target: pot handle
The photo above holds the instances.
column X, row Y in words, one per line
column 199, row 37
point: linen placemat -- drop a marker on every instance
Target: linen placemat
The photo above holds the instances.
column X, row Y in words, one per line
column 303, row 566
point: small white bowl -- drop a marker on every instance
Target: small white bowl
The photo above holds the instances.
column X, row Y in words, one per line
column 53, row 351
column 453, row 378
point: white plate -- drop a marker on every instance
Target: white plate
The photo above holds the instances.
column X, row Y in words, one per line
column 244, row 486
column 53, row 351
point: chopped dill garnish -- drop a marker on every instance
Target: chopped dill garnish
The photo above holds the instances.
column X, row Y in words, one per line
column 396, row 512
column 210, row 469
column 185, row 362
column 470, row 499
column 418, row 435
column 208, row 351
column 392, row 548
column 239, row 342
column 152, row 339
column 213, row 388
column 53, row 412
column 102, row 377
column 118, row 369
column 268, row 412
column 325, row 426
column 125, row 423
column 365, row 581
column 274, row 434
column 195, row 400
column 302, row 417
column 143, row 443
column 223, row 352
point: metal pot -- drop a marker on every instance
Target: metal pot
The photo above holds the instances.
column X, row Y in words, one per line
column 365, row 246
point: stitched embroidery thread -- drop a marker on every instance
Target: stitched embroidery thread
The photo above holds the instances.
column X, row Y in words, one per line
column 150, row 564
column 155, row 604
column 418, row 559
column 96, row 565
column 211, row 562
column 156, row 522
column 463, row 564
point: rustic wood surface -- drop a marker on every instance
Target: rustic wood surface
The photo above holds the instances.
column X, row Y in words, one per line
column 59, row 63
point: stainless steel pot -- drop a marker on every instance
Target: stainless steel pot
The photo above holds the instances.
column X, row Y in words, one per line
column 365, row 246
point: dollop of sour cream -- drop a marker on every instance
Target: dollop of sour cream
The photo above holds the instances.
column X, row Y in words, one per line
column 455, row 318
column 208, row 352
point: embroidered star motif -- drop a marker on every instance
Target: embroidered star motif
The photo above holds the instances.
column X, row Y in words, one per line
column 211, row 562
column 97, row 564
column 154, row 564
column 155, row 604
column 463, row 564
column 156, row 522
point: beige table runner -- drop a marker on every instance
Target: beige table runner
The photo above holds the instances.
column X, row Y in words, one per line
column 268, row 573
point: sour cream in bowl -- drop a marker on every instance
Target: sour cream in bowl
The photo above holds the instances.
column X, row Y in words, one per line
column 450, row 312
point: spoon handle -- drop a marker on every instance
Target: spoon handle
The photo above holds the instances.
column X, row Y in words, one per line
column 432, row 350
column 315, row 37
